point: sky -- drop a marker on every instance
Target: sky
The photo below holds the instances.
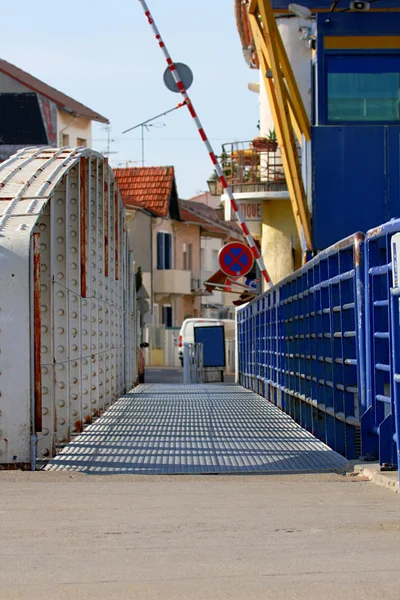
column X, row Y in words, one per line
column 104, row 55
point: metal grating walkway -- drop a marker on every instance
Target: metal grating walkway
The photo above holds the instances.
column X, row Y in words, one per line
column 182, row 429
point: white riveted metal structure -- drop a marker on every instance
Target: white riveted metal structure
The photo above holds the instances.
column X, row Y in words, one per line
column 67, row 298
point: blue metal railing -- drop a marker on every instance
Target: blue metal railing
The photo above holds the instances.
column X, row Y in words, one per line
column 395, row 321
column 378, row 422
column 301, row 345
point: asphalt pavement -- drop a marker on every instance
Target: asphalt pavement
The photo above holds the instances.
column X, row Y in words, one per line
column 163, row 375
column 172, row 375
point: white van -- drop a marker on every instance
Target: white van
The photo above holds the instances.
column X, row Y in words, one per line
column 186, row 333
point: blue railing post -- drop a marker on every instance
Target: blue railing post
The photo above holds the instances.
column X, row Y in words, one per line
column 395, row 319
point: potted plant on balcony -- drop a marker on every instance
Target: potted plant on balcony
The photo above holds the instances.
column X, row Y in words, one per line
column 266, row 144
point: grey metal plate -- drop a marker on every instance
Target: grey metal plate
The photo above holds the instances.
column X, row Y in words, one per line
column 182, row 429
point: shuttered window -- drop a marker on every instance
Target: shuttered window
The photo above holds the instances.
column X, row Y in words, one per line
column 164, row 250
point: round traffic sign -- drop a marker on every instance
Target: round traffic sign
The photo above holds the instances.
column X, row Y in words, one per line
column 235, row 259
column 185, row 75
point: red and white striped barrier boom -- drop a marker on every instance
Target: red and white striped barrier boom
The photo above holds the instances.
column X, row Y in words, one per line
column 210, row 151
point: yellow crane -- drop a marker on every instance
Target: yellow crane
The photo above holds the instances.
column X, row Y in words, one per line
column 287, row 108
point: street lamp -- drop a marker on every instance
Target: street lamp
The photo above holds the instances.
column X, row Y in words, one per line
column 212, row 183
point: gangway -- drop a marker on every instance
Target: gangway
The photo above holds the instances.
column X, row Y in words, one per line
column 195, row 429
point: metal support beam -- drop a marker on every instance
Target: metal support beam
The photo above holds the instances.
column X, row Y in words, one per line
column 286, row 106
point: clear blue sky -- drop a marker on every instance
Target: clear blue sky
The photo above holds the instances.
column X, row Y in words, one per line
column 104, row 54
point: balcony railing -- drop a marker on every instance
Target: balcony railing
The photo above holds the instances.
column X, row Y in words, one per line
column 251, row 167
column 195, row 284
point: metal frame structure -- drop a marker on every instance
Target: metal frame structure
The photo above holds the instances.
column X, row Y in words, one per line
column 193, row 369
column 379, row 421
column 67, row 326
column 288, row 112
column 301, row 345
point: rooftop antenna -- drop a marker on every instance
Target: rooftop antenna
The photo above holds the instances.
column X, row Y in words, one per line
column 145, row 124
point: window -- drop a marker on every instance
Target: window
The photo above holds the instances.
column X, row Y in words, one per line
column 65, row 139
column 81, row 142
column 164, row 250
column 24, row 123
column 363, row 88
column 167, row 315
column 187, row 257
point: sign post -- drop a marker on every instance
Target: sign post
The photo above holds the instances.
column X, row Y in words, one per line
column 235, row 259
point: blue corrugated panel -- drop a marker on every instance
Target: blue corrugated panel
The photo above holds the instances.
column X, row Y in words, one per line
column 301, row 345
column 378, row 423
column 350, row 181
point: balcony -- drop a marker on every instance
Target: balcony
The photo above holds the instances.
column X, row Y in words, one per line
column 251, row 168
column 172, row 281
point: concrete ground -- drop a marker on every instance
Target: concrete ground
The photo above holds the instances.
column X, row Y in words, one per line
column 322, row 536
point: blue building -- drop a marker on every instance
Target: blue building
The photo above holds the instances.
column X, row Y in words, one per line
column 355, row 122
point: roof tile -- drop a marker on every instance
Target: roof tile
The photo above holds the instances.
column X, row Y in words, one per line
column 146, row 187
column 207, row 218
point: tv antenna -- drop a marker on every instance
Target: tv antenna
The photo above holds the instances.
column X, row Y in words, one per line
column 145, row 124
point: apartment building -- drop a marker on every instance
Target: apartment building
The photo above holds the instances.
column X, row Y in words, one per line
column 36, row 114
column 176, row 244
column 166, row 248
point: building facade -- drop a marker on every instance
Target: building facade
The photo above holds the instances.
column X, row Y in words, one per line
column 36, row 114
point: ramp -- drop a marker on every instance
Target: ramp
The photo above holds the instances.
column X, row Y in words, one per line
column 195, row 429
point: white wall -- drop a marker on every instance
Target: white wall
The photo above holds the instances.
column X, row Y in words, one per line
column 74, row 128
column 208, row 245
column 300, row 59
